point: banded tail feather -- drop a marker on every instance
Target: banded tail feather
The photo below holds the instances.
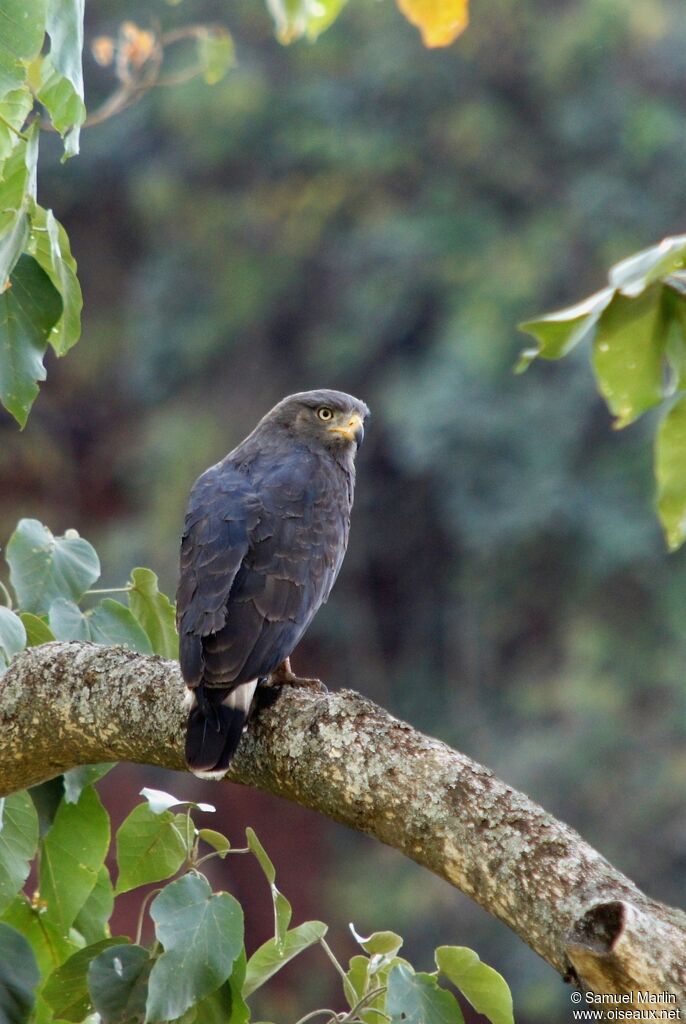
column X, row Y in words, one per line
column 216, row 719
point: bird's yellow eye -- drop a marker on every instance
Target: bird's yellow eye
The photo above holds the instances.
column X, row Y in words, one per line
column 325, row 413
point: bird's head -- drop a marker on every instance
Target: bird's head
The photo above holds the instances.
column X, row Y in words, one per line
column 330, row 419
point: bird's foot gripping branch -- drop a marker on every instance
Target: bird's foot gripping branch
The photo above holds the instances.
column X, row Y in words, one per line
column 337, row 754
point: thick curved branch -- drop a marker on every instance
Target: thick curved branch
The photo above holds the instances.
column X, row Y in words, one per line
column 63, row 705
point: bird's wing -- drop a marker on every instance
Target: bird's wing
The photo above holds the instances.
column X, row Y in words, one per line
column 295, row 550
column 222, row 511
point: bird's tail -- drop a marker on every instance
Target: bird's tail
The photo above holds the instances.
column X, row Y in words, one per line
column 215, row 725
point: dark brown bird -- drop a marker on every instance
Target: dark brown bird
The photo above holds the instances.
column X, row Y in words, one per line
column 264, row 538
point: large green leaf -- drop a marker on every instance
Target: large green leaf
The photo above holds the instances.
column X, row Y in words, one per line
column 272, row 956
column 29, row 308
column 628, row 354
column 18, row 842
column 49, row 245
column 155, row 613
column 670, row 471
column 14, row 109
column 12, row 636
column 92, row 920
column 50, row 946
column 202, row 935
column 66, row 990
column 19, row 977
column 483, row 987
column 418, row 999
column 118, row 983
column 72, row 855
column 23, row 29
column 44, row 567
column 111, row 622
column 150, row 847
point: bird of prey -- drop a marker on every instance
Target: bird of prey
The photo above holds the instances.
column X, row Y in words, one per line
column 264, row 537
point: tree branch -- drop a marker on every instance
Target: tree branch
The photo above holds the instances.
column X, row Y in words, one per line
column 68, row 704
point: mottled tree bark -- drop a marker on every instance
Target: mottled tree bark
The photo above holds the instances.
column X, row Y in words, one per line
column 67, row 704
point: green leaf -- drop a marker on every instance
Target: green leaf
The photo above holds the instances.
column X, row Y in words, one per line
column 482, row 986
column 44, row 567
column 418, row 999
column 118, row 983
column 216, row 840
column 558, row 333
column 92, row 920
column 19, row 977
column 111, row 622
column 297, row 18
column 72, row 855
column 216, row 54
column 670, row 460
column 154, row 612
column 14, row 109
column 271, row 957
column 282, row 908
column 61, row 88
column 159, row 801
column 37, row 630
column 23, row 28
column 66, row 990
column 49, row 945
column 358, row 977
column 12, row 636
column 634, row 274
column 67, row 621
column 202, row 935
column 64, row 25
column 46, row 797
column 226, row 1005
column 17, row 186
column 76, row 779
column 66, row 108
column 628, row 354
column 149, row 848
column 379, row 943
column 18, row 843
column 29, row 308
column 49, row 245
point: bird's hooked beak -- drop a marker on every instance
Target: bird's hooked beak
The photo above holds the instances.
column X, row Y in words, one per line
column 352, row 430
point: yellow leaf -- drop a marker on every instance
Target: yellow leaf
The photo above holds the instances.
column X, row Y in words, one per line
column 439, row 21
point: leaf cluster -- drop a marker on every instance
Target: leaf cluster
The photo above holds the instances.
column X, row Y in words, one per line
column 50, row 581
column 60, row 963
column 636, row 327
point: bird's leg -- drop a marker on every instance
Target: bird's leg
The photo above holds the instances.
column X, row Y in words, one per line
column 283, row 675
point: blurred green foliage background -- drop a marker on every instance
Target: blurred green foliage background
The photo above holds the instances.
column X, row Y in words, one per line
column 367, row 215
